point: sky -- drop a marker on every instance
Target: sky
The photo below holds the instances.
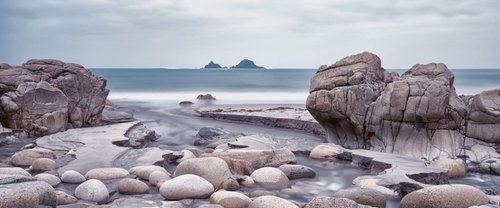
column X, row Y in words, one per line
column 273, row 33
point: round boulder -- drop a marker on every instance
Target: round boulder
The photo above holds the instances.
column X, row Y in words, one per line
column 26, row 157
column 43, row 164
column 92, row 190
column 297, row 171
column 456, row 168
column 106, row 173
column 71, row 176
column 157, row 176
column 186, row 155
column 213, row 169
column 49, row 178
column 186, row 186
column 143, row 172
column 271, row 201
column 132, row 186
column 62, row 198
column 230, row 199
column 445, row 196
column 364, row 196
column 324, row 152
column 272, row 178
column 14, row 171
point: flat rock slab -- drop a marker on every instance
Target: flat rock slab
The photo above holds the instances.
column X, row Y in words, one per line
column 94, row 147
column 398, row 173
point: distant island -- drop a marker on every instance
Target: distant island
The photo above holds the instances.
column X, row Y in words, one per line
column 212, row 65
column 247, row 64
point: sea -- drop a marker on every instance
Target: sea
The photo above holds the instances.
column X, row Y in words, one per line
column 245, row 86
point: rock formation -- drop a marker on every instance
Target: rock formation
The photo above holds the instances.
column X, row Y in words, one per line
column 212, row 65
column 418, row 114
column 47, row 96
column 247, row 64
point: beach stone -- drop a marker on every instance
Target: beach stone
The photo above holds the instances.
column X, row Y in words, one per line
column 106, row 173
column 6, row 179
column 186, row 155
column 49, row 178
column 43, row 164
column 332, row 202
column 92, row 190
column 14, row 171
column 186, row 186
column 27, row 156
column 27, row 194
column 230, row 199
column 62, row 198
column 261, row 158
column 132, row 186
column 297, row 171
column 72, row 176
column 456, row 168
column 143, row 172
column 272, row 178
column 364, row 196
column 324, row 152
column 157, row 176
column 271, row 202
column 445, row 196
column 213, row 169
column 240, row 167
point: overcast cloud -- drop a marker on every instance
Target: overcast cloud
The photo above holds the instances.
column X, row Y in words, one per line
column 273, row 33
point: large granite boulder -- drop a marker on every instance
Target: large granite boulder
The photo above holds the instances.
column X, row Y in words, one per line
column 27, row 194
column 47, row 96
column 417, row 114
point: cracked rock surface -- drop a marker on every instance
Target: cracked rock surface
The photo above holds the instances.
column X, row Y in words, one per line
column 45, row 96
column 417, row 114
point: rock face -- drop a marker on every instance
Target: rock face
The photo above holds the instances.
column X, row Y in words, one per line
column 418, row 114
column 445, row 196
column 47, row 96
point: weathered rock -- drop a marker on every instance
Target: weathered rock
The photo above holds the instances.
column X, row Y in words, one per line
column 455, row 195
column 92, row 190
column 324, row 152
column 132, row 186
column 43, row 164
column 27, row 156
column 261, row 158
column 456, row 168
column 297, row 171
column 72, row 176
column 14, row 171
column 205, row 97
column 186, row 186
column 157, row 176
column 332, row 202
column 272, row 178
column 46, row 96
column 229, row 199
column 143, row 172
column 49, row 178
column 62, row 198
column 106, row 173
column 27, row 194
column 365, row 196
column 7, row 178
column 112, row 115
column 417, row 114
column 271, row 202
column 240, row 167
column 213, row 169
column 186, row 103
column 208, row 135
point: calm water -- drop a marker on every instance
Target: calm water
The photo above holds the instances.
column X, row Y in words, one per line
column 246, row 86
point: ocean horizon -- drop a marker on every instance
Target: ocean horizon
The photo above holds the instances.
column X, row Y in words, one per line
column 246, row 86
